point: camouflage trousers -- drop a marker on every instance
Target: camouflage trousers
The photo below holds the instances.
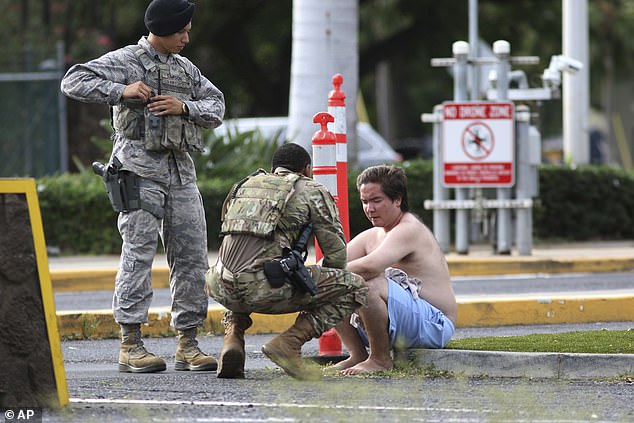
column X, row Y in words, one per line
column 340, row 293
column 184, row 234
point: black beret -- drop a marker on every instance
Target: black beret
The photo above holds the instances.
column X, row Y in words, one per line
column 166, row 17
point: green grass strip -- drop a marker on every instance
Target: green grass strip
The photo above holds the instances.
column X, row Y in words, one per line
column 591, row 342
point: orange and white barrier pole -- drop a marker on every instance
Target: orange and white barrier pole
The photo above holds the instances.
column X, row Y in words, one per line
column 324, row 160
column 326, row 171
column 337, row 108
column 324, row 153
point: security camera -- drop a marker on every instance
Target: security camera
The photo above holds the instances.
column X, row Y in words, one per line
column 551, row 78
column 552, row 74
column 565, row 64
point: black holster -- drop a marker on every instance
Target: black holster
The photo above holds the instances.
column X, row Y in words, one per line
column 123, row 189
column 290, row 268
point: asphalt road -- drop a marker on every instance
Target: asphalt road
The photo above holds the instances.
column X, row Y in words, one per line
column 99, row 393
column 464, row 287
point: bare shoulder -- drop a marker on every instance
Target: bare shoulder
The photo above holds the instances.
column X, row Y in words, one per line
column 362, row 244
column 414, row 227
column 370, row 237
column 423, row 239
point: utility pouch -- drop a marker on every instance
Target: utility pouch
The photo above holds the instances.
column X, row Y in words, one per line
column 193, row 137
column 275, row 274
column 154, row 131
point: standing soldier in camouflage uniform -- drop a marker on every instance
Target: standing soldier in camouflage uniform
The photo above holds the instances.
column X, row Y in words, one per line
column 263, row 217
column 159, row 103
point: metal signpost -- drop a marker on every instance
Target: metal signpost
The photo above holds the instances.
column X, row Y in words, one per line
column 489, row 144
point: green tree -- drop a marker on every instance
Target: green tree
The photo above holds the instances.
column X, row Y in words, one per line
column 245, row 47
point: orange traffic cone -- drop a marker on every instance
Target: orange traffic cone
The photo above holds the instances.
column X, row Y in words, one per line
column 329, row 343
column 330, row 348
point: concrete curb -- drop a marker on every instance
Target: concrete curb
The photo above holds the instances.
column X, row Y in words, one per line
column 99, row 279
column 554, row 309
column 99, row 324
column 504, row 265
column 518, row 364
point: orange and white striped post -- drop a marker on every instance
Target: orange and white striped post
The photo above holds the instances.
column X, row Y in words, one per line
column 324, row 160
column 325, row 171
column 337, row 108
column 324, row 153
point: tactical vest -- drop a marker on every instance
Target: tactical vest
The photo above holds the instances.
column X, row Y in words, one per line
column 171, row 132
column 255, row 205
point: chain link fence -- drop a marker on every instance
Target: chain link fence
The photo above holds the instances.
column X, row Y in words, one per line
column 33, row 135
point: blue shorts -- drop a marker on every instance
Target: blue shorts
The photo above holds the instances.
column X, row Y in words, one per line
column 413, row 322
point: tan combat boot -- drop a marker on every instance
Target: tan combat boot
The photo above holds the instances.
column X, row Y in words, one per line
column 285, row 350
column 232, row 355
column 133, row 357
column 189, row 356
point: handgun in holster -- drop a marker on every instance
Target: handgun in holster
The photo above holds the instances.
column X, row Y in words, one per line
column 122, row 186
column 290, row 268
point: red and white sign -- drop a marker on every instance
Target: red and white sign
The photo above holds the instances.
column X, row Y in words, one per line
column 478, row 144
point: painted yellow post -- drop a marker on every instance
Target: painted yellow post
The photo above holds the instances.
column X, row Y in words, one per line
column 27, row 187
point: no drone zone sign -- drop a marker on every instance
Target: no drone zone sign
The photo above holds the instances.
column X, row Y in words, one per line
column 478, row 144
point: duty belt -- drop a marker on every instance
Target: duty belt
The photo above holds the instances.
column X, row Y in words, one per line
column 228, row 275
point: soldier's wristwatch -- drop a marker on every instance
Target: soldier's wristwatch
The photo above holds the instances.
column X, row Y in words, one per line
column 185, row 109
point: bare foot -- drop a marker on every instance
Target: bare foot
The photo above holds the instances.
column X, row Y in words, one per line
column 368, row 366
column 348, row 362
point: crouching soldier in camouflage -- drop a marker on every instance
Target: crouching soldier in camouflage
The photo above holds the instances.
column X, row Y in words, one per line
column 264, row 217
column 159, row 104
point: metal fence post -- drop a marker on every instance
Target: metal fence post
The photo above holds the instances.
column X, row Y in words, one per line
column 61, row 103
column 523, row 185
column 461, row 54
column 441, row 217
column 502, row 50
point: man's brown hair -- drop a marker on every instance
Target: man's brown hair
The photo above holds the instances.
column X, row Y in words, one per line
column 392, row 180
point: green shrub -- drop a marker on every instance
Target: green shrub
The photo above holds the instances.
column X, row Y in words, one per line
column 587, row 203
column 78, row 218
column 235, row 155
column 214, row 192
column 77, row 215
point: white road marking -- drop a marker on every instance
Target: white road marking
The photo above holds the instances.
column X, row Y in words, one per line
column 444, row 419
column 272, row 405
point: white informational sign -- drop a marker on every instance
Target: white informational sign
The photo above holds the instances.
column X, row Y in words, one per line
column 478, row 144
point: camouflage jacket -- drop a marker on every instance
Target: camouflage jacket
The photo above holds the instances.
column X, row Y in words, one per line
column 103, row 80
column 310, row 201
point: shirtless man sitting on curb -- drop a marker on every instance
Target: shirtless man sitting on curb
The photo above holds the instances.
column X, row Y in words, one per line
column 411, row 302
